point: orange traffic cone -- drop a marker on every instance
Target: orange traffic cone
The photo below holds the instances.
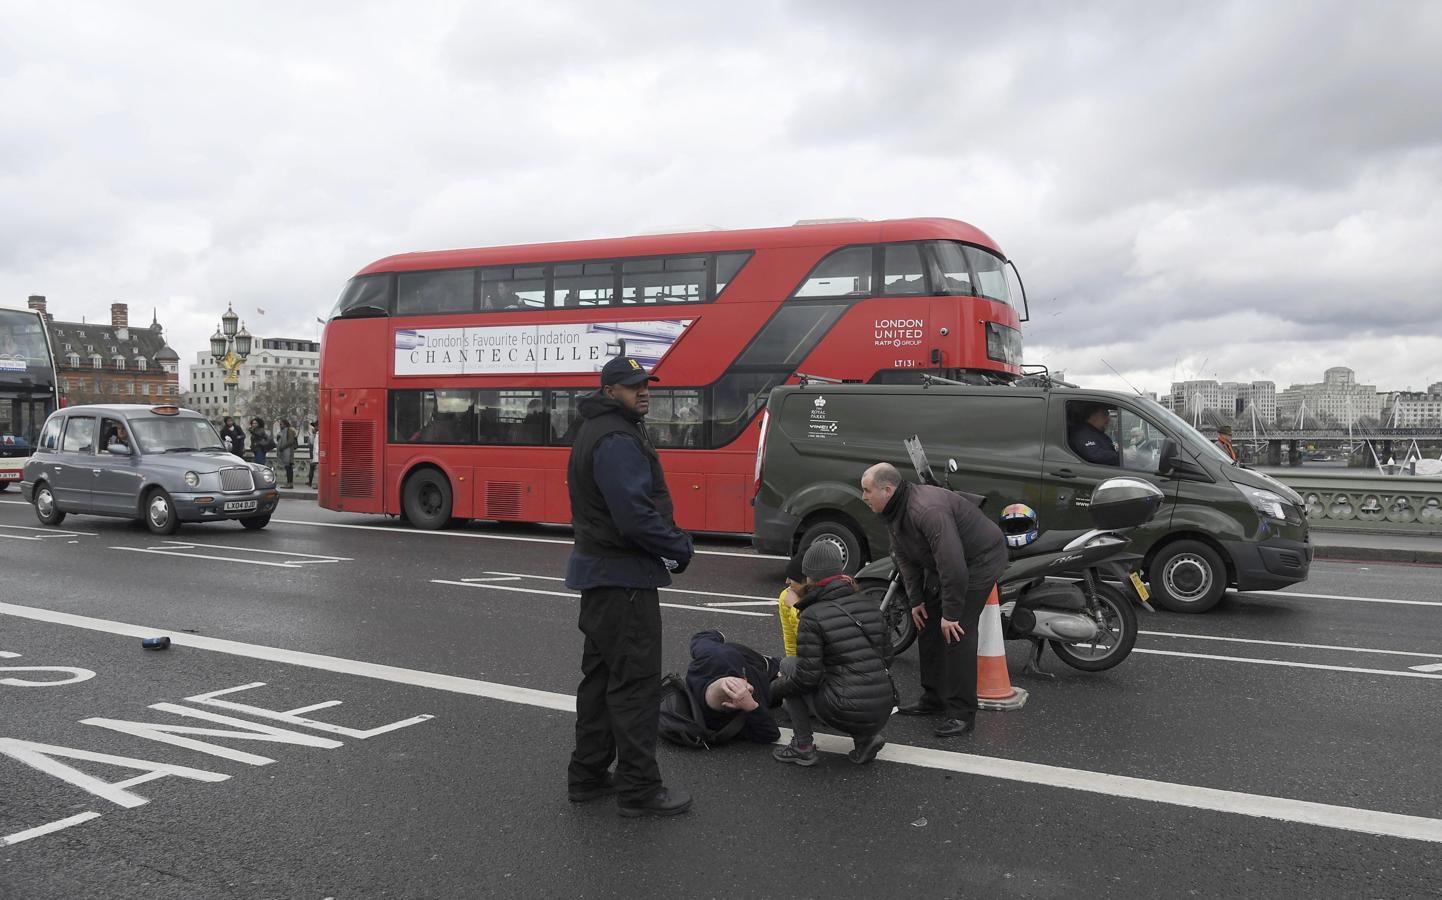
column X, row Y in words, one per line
column 993, row 684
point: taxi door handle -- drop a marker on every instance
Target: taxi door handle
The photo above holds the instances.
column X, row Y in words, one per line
column 1064, row 473
column 96, row 471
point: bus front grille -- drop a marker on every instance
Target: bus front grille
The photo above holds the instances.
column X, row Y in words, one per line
column 357, row 459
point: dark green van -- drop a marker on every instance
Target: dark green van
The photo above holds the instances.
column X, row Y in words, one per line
column 1224, row 525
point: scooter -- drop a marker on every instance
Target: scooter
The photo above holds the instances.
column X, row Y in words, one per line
column 1054, row 591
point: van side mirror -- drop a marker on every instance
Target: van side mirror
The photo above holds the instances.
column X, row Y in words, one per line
column 952, row 467
column 118, row 449
column 1167, row 458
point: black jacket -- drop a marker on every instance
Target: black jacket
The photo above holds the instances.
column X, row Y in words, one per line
column 840, row 662
column 620, row 507
column 941, row 538
column 234, row 436
column 713, row 658
column 1093, row 445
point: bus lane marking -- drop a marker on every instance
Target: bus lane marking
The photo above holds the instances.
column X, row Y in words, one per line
column 1237, row 640
column 1434, row 667
column 1343, row 818
column 44, row 533
column 48, row 828
column 1259, row 595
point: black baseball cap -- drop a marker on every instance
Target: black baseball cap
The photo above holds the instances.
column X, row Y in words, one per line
column 625, row 370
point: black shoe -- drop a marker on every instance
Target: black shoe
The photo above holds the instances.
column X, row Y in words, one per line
column 919, row 708
column 866, row 749
column 665, row 802
column 954, row 727
column 603, row 788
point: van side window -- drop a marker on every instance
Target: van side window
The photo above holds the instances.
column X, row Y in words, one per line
column 1141, row 441
column 79, row 435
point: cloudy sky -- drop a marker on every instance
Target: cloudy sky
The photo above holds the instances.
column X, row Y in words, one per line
column 1236, row 190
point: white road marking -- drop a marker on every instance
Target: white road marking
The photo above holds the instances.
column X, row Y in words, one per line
column 1434, row 667
column 49, row 828
column 493, row 578
column 1343, row 818
column 570, row 596
column 493, row 537
column 58, row 532
column 1287, row 664
column 1338, row 597
column 743, row 603
column 1236, row 640
column 8, row 654
column 664, row 590
column 181, row 550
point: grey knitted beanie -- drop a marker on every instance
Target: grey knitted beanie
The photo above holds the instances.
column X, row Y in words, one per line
column 822, row 560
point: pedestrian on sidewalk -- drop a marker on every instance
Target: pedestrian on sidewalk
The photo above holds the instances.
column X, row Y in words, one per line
column 950, row 556
column 313, row 438
column 286, row 440
column 1224, row 440
column 626, row 546
column 260, row 442
column 840, row 673
column 234, row 437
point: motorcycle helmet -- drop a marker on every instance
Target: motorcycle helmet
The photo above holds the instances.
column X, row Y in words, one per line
column 1018, row 522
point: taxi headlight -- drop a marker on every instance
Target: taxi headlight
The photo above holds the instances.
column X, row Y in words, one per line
column 264, row 475
column 192, row 479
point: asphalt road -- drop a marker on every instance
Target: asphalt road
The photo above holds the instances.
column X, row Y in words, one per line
column 1282, row 745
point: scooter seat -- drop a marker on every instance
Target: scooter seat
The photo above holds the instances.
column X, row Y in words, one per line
column 1048, row 542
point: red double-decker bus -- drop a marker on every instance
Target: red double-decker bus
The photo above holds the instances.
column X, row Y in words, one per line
column 449, row 380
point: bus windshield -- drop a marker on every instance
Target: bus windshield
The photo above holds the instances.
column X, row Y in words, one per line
column 23, row 348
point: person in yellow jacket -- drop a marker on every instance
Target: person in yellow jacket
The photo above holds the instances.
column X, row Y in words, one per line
column 786, row 603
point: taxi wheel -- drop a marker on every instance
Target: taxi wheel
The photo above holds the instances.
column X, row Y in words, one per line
column 255, row 523
column 1187, row 577
column 45, row 509
column 4, row 486
column 160, row 515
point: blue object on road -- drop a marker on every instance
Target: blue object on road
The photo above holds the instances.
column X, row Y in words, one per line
column 155, row 643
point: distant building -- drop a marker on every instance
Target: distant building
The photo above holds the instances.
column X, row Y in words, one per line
column 1338, row 397
column 1414, row 409
column 270, row 358
column 113, row 363
column 1231, row 401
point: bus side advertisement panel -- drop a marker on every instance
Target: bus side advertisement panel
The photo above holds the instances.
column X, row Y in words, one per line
column 563, row 348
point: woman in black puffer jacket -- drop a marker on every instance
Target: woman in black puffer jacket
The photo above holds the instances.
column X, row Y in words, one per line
column 839, row 674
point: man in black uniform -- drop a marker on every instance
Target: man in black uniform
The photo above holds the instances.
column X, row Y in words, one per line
column 1088, row 439
column 627, row 543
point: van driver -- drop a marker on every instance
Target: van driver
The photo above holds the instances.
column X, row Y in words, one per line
column 1087, row 436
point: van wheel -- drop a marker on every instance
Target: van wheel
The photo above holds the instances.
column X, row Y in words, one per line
column 1187, row 577
column 45, row 509
column 839, row 534
column 160, row 515
column 426, row 500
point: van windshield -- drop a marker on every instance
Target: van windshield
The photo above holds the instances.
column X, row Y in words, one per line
column 1184, row 432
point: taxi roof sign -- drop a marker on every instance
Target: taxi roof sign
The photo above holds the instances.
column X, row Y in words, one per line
column 165, row 410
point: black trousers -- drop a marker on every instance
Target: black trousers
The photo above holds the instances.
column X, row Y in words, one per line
column 948, row 671
column 618, row 702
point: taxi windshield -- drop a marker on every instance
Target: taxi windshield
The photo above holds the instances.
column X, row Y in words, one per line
column 162, row 435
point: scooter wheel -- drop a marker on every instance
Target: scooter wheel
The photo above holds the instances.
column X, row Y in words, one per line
column 1119, row 626
column 898, row 616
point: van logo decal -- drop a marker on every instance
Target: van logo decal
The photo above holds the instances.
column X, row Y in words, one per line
column 819, row 402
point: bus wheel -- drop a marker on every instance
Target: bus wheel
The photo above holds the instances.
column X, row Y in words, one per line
column 4, row 486
column 426, row 499
column 842, row 535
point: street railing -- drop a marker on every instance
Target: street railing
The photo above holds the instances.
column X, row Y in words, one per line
column 1367, row 502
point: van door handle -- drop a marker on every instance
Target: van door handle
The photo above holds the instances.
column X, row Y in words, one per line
column 1064, row 473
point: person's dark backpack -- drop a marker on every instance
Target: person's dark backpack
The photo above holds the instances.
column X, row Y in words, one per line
column 682, row 722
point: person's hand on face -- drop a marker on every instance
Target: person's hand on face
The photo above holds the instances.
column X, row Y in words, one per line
column 737, row 694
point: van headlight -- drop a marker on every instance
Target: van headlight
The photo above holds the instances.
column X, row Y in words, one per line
column 192, row 479
column 1268, row 503
column 264, row 475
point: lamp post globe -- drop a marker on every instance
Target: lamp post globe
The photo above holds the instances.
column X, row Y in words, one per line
column 217, row 346
column 229, row 321
column 242, row 343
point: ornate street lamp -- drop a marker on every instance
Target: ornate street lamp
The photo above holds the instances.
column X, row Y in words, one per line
column 229, row 347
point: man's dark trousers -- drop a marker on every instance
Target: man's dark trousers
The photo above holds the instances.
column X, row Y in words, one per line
column 618, row 702
column 948, row 671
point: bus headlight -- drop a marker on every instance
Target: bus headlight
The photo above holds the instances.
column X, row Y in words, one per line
column 192, row 479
